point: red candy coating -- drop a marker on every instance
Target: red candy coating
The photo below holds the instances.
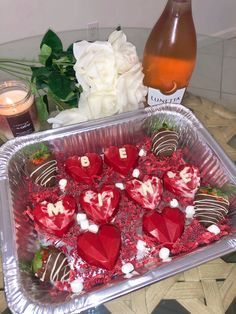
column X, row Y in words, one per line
column 112, row 157
column 100, row 249
column 146, row 193
column 100, row 206
column 166, row 227
column 184, row 182
column 56, row 218
column 83, row 168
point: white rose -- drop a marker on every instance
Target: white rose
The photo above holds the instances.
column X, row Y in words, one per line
column 102, row 104
column 70, row 116
column 125, row 52
column 95, row 66
column 130, row 89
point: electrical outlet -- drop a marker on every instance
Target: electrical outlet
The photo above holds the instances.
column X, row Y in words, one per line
column 92, row 31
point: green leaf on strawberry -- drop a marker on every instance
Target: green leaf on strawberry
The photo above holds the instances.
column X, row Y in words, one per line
column 42, row 152
column 37, row 261
column 156, row 125
column 213, row 191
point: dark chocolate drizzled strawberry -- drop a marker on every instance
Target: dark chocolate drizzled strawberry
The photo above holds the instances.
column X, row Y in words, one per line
column 50, row 265
column 164, row 142
column 42, row 167
column 211, row 206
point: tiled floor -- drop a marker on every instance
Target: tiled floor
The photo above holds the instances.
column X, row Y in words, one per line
column 215, row 73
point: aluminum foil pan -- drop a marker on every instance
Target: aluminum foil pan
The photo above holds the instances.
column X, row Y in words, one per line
column 24, row 293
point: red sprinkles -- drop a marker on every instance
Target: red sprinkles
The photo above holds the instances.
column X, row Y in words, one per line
column 128, row 219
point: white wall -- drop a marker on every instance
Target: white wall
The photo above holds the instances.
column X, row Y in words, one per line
column 23, row 18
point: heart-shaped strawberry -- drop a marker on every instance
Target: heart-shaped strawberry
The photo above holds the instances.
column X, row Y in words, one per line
column 166, row 227
column 121, row 159
column 184, row 182
column 100, row 249
column 56, row 218
column 83, row 168
column 146, row 193
column 100, row 206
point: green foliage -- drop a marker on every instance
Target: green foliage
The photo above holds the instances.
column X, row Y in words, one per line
column 52, row 76
column 42, row 107
column 56, row 77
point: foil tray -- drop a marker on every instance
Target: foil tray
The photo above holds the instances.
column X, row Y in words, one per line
column 24, row 293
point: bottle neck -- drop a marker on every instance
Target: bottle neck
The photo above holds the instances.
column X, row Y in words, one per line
column 178, row 7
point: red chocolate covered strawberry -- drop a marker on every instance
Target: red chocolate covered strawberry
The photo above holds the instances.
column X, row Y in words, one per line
column 100, row 206
column 56, row 218
column 211, row 206
column 147, row 192
column 100, row 249
column 122, row 159
column 41, row 166
column 50, row 265
column 84, row 168
column 166, row 228
column 184, row 182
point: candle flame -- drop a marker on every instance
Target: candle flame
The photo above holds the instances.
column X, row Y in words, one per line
column 9, row 101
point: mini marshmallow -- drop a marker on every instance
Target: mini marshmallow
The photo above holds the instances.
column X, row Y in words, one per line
column 174, row 203
column 136, row 173
column 164, row 254
column 214, row 229
column 93, row 228
column 76, row 286
column 142, row 250
column 141, row 245
column 120, row 186
column 142, row 152
column 127, row 268
column 190, row 211
column 84, row 224
column 62, row 184
column 80, row 217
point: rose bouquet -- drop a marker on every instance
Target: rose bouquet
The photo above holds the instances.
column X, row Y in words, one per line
column 89, row 80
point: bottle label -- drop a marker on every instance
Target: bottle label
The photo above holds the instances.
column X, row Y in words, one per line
column 21, row 124
column 155, row 97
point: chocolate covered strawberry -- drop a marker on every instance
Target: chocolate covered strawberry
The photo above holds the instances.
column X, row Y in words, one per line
column 122, row 159
column 56, row 218
column 164, row 142
column 84, row 168
column 100, row 206
column 51, row 265
column 147, row 192
column 211, row 206
column 41, row 166
column 184, row 182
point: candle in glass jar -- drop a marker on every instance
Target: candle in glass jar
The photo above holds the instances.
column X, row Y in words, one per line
column 17, row 110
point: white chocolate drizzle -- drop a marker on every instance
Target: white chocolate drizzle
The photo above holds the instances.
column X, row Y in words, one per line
column 47, row 174
column 56, row 269
column 211, row 209
column 164, row 140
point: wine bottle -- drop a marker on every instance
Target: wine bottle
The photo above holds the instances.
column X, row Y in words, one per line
column 170, row 54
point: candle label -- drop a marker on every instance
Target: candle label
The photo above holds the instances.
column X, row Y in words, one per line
column 21, row 124
column 155, row 97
